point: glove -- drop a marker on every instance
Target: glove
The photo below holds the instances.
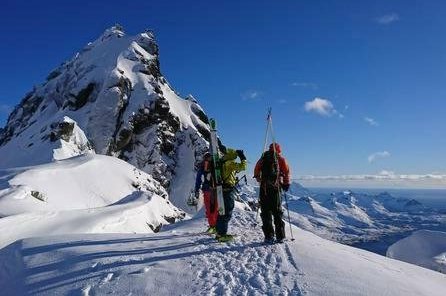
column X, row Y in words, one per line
column 285, row 187
column 241, row 154
column 197, row 194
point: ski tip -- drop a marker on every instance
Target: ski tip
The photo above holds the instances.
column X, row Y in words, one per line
column 212, row 123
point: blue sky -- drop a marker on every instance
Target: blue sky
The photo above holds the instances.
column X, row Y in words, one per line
column 357, row 88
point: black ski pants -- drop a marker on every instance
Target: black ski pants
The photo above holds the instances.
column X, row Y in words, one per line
column 271, row 207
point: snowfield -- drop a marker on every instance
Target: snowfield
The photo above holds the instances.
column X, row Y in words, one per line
column 183, row 261
column 84, row 194
column 424, row 248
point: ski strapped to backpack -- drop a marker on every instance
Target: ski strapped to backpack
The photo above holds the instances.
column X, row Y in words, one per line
column 218, row 180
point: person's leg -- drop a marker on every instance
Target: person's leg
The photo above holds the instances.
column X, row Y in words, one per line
column 207, row 206
column 214, row 210
column 276, row 210
column 223, row 220
column 211, row 207
column 279, row 224
column 265, row 214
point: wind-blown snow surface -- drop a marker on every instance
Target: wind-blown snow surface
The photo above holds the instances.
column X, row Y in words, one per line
column 182, row 261
column 424, row 248
column 84, row 194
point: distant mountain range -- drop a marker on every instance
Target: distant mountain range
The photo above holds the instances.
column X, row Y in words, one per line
column 351, row 217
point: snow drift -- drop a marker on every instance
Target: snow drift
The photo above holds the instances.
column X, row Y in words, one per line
column 84, row 194
column 424, row 248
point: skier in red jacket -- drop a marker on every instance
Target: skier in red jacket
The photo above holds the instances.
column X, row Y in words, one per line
column 273, row 174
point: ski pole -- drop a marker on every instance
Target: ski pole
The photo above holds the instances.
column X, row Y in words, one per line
column 268, row 119
column 289, row 219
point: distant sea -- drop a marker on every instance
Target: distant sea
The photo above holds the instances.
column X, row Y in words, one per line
column 433, row 198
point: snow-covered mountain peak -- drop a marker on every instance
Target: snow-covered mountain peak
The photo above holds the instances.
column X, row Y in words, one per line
column 115, row 31
column 114, row 91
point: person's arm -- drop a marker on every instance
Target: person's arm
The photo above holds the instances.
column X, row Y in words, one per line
column 198, row 180
column 258, row 170
column 233, row 166
column 284, row 171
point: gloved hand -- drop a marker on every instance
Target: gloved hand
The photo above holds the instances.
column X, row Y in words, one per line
column 197, row 194
column 285, row 187
column 241, row 154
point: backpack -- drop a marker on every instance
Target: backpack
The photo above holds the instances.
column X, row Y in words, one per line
column 270, row 167
column 209, row 171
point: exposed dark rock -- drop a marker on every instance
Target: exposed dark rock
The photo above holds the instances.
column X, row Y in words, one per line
column 19, row 118
column 37, row 195
column 61, row 130
column 171, row 220
column 123, row 139
column 81, row 98
column 156, row 228
column 53, row 74
column 197, row 111
column 204, row 132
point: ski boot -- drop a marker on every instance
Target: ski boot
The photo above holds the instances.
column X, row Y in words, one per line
column 268, row 240
column 211, row 230
column 224, row 238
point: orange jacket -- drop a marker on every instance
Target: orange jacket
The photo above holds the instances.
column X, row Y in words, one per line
column 284, row 170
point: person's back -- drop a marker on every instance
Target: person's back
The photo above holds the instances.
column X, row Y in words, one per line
column 272, row 168
column 230, row 167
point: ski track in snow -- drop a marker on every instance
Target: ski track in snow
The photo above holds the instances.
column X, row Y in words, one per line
column 246, row 266
column 182, row 260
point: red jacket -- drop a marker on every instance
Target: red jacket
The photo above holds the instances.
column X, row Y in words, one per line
column 284, row 169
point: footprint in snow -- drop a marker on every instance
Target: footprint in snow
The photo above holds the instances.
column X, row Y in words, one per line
column 86, row 291
column 108, row 278
column 95, row 265
column 142, row 270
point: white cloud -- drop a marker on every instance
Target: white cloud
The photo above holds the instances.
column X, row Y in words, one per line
column 372, row 157
column 384, row 179
column 282, row 101
column 322, row 107
column 306, row 85
column 383, row 175
column 371, row 121
column 251, row 95
column 387, row 19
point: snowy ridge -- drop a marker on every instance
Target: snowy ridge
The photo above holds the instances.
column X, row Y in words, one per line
column 182, row 261
column 424, row 248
